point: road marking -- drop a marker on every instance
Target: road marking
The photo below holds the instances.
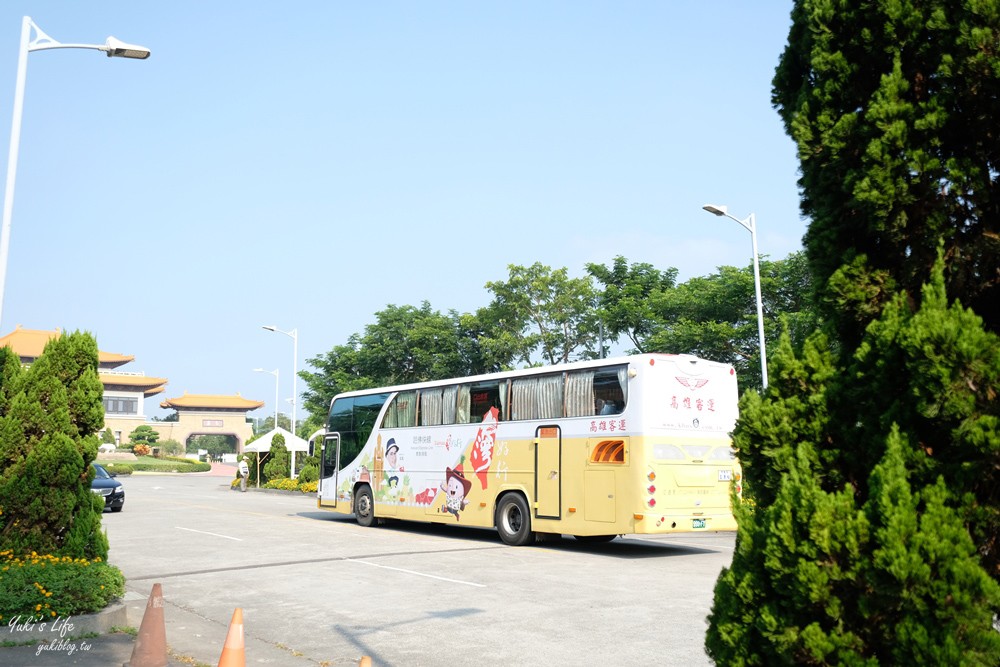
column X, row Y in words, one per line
column 419, row 574
column 203, row 532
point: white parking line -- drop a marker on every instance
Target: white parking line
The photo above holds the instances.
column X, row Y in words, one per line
column 203, row 532
column 419, row 574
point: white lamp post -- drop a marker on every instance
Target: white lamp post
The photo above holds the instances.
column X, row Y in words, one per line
column 294, row 335
column 275, row 374
column 112, row 47
column 750, row 225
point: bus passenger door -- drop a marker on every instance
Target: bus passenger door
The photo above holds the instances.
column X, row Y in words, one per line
column 330, row 470
column 548, row 472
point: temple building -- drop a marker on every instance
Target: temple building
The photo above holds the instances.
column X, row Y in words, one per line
column 125, row 391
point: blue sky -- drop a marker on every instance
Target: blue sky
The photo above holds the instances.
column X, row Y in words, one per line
column 304, row 164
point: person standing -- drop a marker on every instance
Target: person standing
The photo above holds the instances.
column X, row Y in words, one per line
column 244, row 474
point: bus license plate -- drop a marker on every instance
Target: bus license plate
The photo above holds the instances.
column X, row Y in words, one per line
column 699, row 523
column 725, row 475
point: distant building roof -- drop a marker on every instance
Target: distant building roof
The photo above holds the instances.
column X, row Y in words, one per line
column 133, row 382
column 29, row 344
column 211, row 401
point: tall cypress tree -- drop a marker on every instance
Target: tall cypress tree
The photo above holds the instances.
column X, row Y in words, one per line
column 873, row 461
column 49, row 416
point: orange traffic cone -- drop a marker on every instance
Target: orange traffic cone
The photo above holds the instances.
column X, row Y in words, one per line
column 365, row 661
column 151, row 643
column 233, row 654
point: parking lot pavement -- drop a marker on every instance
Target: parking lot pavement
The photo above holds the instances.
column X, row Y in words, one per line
column 109, row 650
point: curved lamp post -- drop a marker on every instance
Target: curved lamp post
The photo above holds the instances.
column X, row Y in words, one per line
column 114, row 48
column 750, row 224
column 275, row 374
column 294, row 335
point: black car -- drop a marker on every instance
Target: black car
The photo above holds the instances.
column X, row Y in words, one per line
column 106, row 485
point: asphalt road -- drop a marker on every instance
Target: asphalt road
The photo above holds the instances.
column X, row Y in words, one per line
column 317, row 589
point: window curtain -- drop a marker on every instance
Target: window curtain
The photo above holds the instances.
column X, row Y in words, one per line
column 623, row 381
column 523, row 398
column 464, row 404
column 449, row 403
column 430, row 407
column 549, row 402
column 580, row 394
column 504, row 400
column 402, row 411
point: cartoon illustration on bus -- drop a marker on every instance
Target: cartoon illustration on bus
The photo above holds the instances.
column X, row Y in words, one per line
column 455, row 488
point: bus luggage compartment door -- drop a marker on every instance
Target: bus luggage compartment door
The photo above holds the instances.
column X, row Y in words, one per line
column 330, row 470
column 548, row 472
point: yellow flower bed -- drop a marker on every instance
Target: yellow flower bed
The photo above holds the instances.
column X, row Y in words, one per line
column 36, row 586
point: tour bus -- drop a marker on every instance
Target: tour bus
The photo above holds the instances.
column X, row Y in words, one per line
column 593, row 449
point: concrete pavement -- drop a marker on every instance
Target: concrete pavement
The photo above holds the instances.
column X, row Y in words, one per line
column 72, row 641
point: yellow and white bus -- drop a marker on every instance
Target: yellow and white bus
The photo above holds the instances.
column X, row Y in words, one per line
column 594, row 449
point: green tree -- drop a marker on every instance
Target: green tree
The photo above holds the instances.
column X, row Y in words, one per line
column 49, row 418
column 892, row 106
column 544, row 313
column 215, row 445
column 625, row 302
column 873, row 461
column 266, row 425
column 277, row 465
column 714, row 317
column 143, row 435
column 404, row 344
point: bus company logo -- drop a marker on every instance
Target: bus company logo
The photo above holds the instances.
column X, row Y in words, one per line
column 692, row 384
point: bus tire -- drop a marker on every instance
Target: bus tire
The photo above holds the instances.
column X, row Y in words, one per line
column 364, row 507
column 513, row 520
column 594, row 539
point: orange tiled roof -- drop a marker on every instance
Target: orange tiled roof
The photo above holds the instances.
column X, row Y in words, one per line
column 211, row 401
column 148, row 385
column 29, row 344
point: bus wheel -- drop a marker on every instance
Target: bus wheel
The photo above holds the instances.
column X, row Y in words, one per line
column 594, row 539
column 364, row 508
column 513, row 520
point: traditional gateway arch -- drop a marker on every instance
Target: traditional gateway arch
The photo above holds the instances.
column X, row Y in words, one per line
column 208, row 414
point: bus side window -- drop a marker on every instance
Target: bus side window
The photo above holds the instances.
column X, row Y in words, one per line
column 402, row 411
column 610, row 386
column 484, row 396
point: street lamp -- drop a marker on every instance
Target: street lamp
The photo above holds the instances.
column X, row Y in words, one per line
column 112, row 47
column 294, row 335
column 750, row 225
column 275, row 374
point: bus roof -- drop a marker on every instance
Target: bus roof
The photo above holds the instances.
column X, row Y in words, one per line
column 534, row 370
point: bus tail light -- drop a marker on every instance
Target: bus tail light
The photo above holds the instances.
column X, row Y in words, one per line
column 652, row 502
column 651, row 476
column 651, row 489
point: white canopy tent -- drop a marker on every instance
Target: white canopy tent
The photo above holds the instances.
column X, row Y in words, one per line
column 293, row 443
